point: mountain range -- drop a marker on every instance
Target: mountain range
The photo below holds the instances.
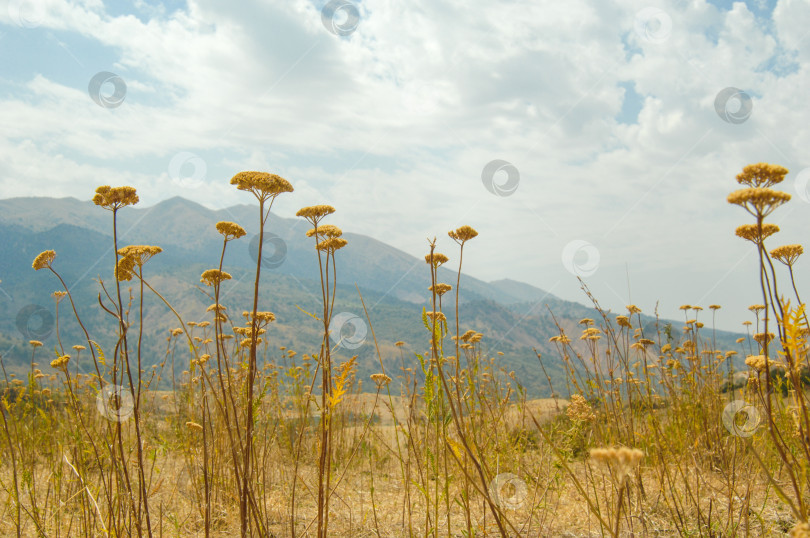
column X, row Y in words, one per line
column 515, row 318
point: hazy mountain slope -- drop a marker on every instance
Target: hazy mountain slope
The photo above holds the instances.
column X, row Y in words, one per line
column 514, row 316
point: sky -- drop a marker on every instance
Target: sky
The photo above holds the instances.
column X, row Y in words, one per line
column 582, row 139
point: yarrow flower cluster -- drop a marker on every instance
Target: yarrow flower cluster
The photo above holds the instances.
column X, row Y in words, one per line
column 787, row 254
column 579, row 410
column 114, row 198
column 43, row 260
column 213, row 277
column 133, row 256
column 750, row 232
column 230, row 230
column 463, row 234
column 262, row 185
column 436, row 258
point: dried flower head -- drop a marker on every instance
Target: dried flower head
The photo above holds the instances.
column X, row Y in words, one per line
column 212, row 277
column 193, row 426
column 621, row 460
column 750, row 232
column 262, row 185
column 325, row 230
column 467, row 335
column 59, row 295
column 463, row 234
column 787, row 254
column 436, row 258
column 759, row 201
column 44, row 259
column 756, row 308
column 61, row 362
column 624, row 321
column 332, row 244
column 138, row 254
column 763, row 338
column 579, row 410
column 315, row 213
column 762, row 175
column 35, row 343
column 715, row 307
column 399, row 344
column 230, row 230
column 441, row 288
column 633, row 309
column 380, row 379
column 263, row 317
column 586, row 321
column 114, row 198
column 757, row 362
column 79, row 347
column 436, row 315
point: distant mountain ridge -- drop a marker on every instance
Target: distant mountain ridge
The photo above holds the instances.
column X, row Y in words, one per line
column 514, row 316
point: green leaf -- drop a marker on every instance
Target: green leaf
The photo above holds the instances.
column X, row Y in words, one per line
column 313, row 316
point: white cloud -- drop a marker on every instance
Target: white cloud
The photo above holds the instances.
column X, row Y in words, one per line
column 393, row 124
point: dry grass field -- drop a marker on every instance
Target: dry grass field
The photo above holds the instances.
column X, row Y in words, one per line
column 648, row 439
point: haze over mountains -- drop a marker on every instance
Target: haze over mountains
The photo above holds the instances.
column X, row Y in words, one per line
column 514, row 317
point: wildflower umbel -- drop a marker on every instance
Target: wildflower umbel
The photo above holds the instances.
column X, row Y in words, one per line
column 762, row 175
column 380, row 379
column 787, row 254
column 463, row 234
column 133, row 256
column 114, row 198
column 315, row 213
column 441, row 288
column 230, row 230
column 44, row 260
column 326, row 230
column 262, row 185
column 436, row 258
column 750, row 232
column 212, row 277
column 332, row 244
column 759, row 202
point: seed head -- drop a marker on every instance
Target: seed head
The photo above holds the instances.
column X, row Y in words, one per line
column 633, row 309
